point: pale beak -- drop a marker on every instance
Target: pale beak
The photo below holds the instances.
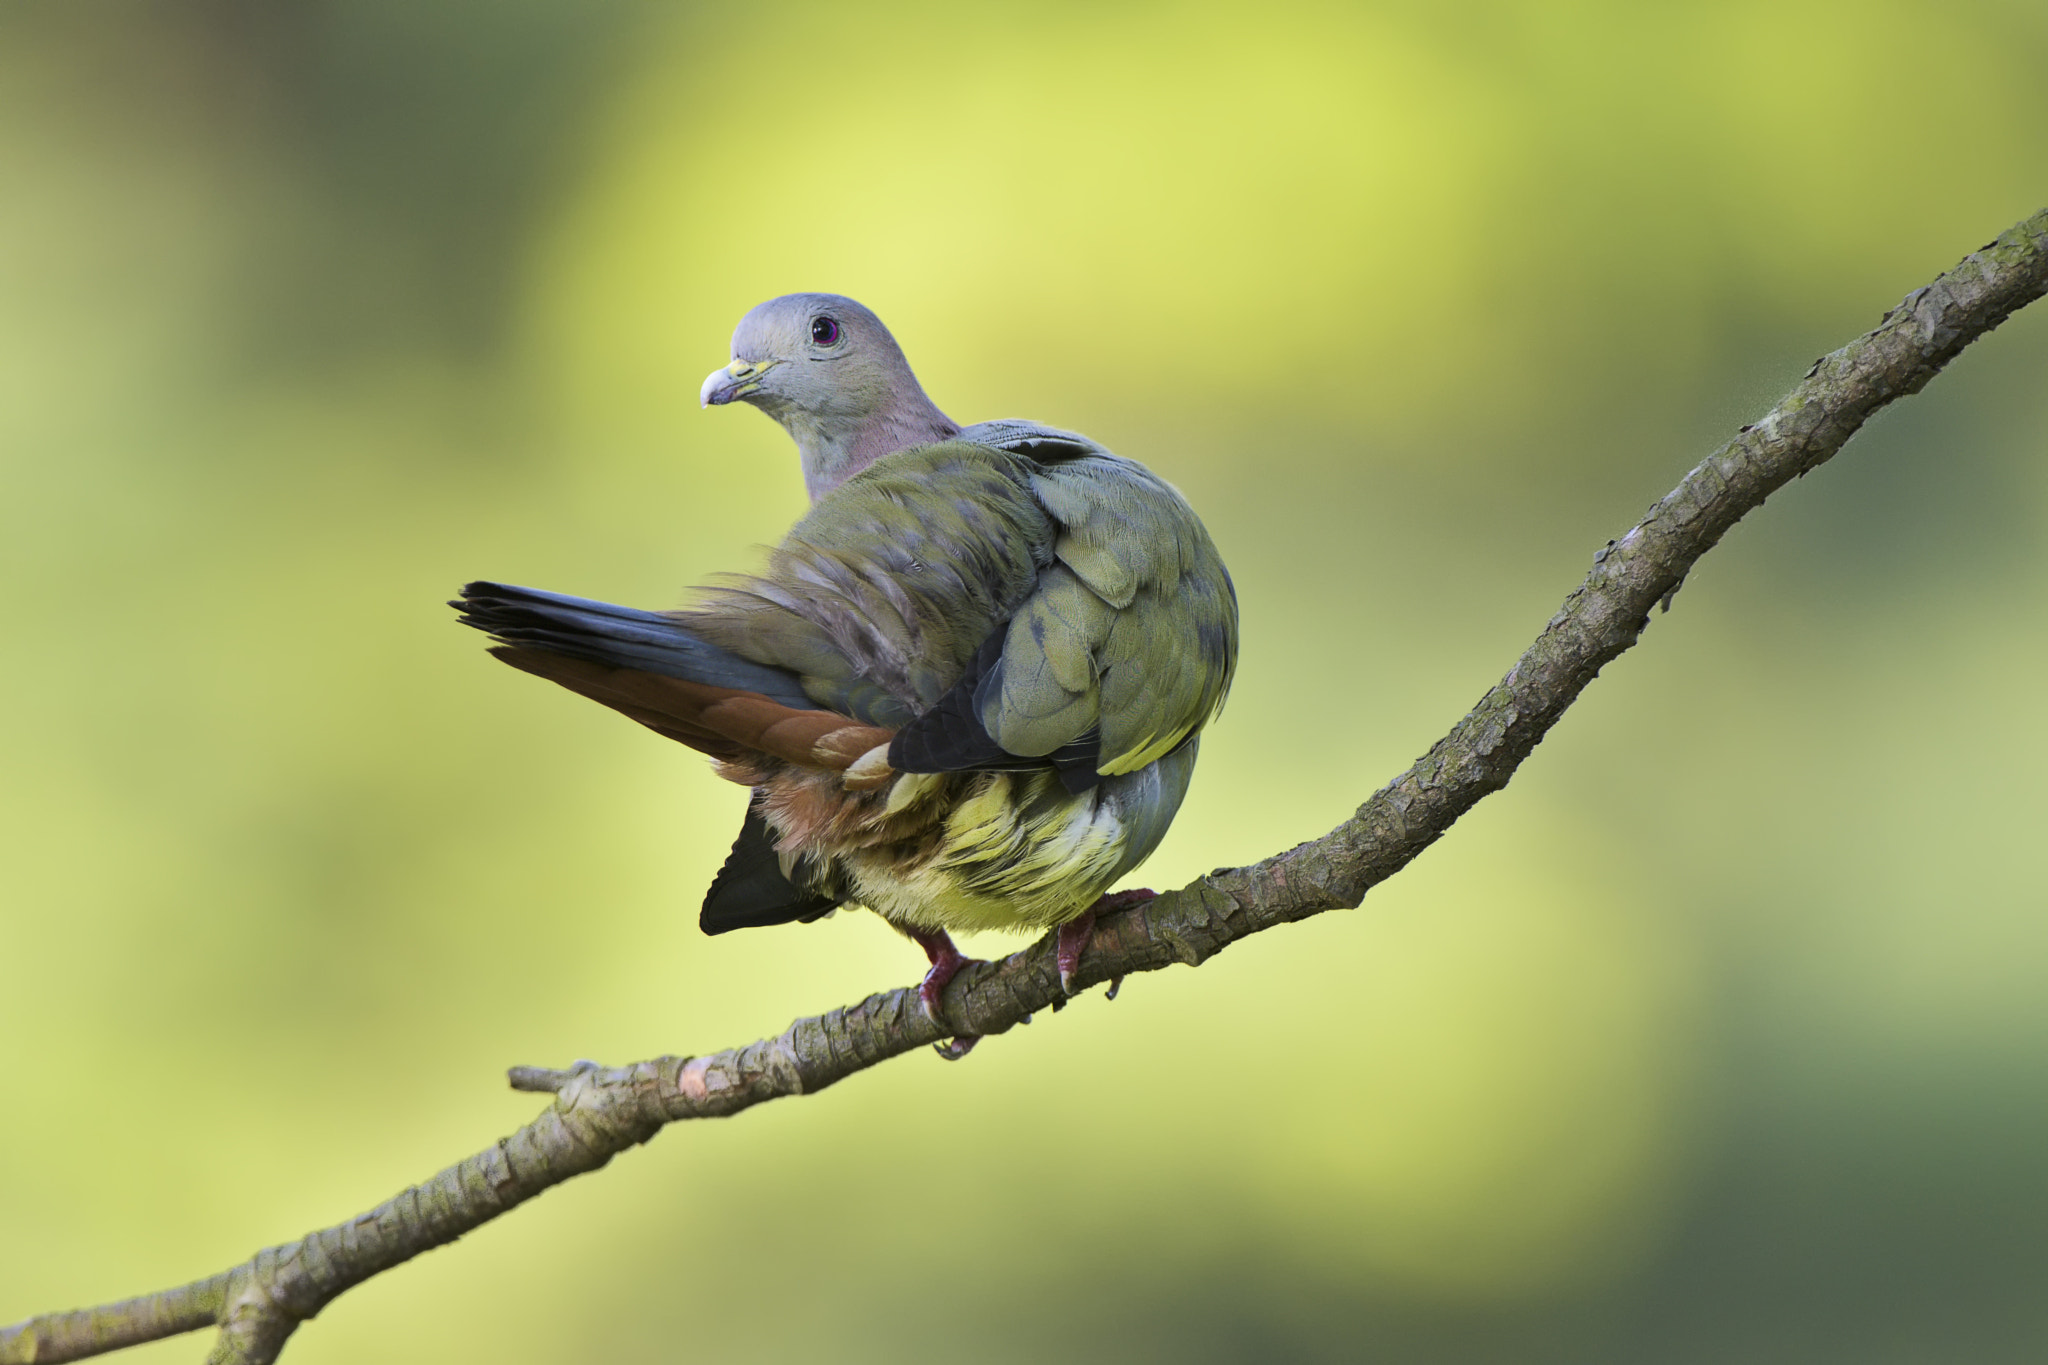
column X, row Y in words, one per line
column 736, row 380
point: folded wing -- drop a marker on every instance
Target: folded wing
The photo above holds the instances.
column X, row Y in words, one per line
column 1123, row 648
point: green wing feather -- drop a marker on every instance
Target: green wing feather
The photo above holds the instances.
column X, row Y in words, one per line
column 894, row 578
column 1132, row 630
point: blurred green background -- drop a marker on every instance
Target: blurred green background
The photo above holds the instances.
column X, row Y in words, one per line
column 1721, row 1035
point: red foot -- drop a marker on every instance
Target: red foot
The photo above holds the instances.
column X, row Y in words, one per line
column 1072, row 942
column 1076, row 932
column 946, row 963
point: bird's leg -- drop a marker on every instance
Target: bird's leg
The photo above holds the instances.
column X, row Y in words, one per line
column 946, row 963
column 1072, row 942
column 1075, row 933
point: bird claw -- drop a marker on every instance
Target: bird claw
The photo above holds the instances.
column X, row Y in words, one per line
column 1071, row 943
column 946, row 961
column 1075, row 934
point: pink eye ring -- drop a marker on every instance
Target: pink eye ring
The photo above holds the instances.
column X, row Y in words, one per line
column 824, row 331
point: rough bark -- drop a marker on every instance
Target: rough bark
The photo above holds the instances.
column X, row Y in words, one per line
column 600, row 1111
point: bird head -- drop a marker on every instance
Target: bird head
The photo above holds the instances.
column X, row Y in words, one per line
column 828, row 371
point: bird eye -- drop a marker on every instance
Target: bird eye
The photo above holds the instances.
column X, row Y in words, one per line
column 824, row 331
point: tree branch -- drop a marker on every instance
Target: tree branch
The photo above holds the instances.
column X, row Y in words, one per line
column 601, row 1111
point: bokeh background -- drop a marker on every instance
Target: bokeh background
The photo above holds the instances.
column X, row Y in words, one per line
column 1721, row 1035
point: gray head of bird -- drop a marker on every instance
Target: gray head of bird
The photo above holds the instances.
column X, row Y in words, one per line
column 828, row 371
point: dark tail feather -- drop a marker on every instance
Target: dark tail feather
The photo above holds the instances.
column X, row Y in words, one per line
column 751, row 891
column 618, row 637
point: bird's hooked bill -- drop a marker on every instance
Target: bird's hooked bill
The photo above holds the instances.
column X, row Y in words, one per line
column 736, row 380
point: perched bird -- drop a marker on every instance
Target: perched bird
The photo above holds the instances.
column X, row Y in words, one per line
column 967, row 688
